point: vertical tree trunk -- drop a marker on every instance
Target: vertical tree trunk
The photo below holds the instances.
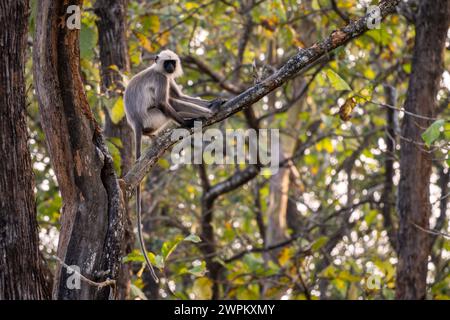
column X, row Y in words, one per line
column 209, row 247
column 92, row 216
column 388, row 196
column 113, row 52
column 21, row 274
column 281, row 181
column 415, row 163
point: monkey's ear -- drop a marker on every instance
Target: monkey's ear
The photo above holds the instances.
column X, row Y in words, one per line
column 156, row 58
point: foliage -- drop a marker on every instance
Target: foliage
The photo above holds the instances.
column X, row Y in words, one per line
column 334, row 207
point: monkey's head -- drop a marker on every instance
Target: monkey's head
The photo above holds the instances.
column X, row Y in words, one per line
column 168, row 62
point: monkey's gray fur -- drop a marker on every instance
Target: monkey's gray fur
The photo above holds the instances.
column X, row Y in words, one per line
column 152, row 99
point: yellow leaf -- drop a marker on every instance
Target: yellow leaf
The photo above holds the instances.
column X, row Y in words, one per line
column 143, row 41
column 118, row 111
column 164, row 39
column 347, row 108
column 202, row 289
column 154, row 23
column 347, row 4
column 163, row 163
column 369, row 73
column 141, row 270
column 325, row 145
column 191, row 5
column 285, row 256
column 315, row 5
column 328, row 146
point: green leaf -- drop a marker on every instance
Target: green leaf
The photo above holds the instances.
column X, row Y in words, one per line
column 381, row 36
column 133, row 256
column 407, row 68
column 193, row 238
column 118, row 111
column 169, row 246
column 88, row 40
column 198, row 271
column 135, row 292
column 370, row 216
column 336, row 81
column 432, row 133
column 319, row 243
column 157, row 261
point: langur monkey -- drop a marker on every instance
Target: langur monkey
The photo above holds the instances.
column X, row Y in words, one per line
column 152, row 100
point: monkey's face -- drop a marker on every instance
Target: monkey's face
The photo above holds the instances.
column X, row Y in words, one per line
column 169, row 63
column 170, row 66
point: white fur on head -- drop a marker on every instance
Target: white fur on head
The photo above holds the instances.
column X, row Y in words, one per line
column 169, row 55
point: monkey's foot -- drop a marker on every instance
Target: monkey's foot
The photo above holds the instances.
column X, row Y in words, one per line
column 216, row 103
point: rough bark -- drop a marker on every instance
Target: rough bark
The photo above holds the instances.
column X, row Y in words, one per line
column 92, row 215
column 112, row 41
column 415, row 163
column 21, row 273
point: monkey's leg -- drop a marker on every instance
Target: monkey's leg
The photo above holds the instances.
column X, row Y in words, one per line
column 189, row 110
column 196, row 101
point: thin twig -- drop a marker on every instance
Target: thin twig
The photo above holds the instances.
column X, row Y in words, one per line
column 106, row 283
column 431, row 231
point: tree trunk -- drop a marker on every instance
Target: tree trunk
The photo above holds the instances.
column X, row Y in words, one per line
column 21, row 273
column 280, row 183
column 113, row 52
column 415, row 163
column 92, row 215
column 388, row 196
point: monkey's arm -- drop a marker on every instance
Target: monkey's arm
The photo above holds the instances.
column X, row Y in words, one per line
column 176, row 93
column 162, row 103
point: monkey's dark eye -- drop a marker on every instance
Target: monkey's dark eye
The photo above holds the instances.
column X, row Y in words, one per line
column 170, row 65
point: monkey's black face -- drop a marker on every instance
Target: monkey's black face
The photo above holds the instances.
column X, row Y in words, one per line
column 170, row 66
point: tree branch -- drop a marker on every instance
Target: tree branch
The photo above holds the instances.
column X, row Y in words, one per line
column 302, row 59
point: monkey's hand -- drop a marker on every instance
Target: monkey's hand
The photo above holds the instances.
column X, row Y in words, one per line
column 216, row 103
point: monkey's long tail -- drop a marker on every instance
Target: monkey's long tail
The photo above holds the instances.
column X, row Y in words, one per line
column 139, row 217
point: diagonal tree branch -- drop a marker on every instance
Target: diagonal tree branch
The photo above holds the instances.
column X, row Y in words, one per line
column 302, row 59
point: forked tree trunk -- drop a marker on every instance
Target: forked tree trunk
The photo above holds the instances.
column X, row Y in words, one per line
column 21, row 273
column 112, row 29
column 415, row 163
column 92, row 215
